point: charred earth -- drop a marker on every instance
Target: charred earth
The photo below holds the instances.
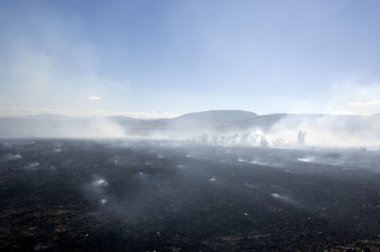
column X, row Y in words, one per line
column 79, row 195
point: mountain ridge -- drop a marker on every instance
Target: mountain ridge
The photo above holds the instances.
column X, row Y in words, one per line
column 243, row 114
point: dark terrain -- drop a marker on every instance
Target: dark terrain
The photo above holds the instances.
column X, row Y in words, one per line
column 78, row 195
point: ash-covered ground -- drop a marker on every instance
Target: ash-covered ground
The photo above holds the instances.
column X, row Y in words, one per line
column 79, row 195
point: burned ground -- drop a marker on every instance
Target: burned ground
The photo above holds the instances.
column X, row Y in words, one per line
column 74, row 195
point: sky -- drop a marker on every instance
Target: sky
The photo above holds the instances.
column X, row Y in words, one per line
column 151, row 59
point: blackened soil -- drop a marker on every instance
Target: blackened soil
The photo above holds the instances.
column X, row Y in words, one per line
column 76, row 195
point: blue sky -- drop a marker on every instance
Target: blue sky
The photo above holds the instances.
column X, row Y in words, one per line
column 164, row 58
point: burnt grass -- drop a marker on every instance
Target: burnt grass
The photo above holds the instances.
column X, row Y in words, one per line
column 81, row 195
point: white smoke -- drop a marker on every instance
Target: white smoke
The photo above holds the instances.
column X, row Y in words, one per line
column 333, row 131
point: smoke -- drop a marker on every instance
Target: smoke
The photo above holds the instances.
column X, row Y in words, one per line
column 58, row 71
column 284, row 132
column 51, row 126
column 283, row 198
column 93, row 128
column 105, row 129
column 358, row 94
column 329, row 130
column 306, row 159
column 46, row 64
column 288, row 131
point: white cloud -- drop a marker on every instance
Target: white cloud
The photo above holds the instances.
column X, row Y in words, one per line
column 95, row 98
column 367, row 103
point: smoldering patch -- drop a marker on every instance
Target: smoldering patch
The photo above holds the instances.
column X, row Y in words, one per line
column 242, row 160
column 283, row 198
column 57, row 149
column 6, row 144
column 32, row 166
column 100, row 183
column 251, row 186
column 96, row 190
column 252, row 161
column 115, row 160
column 190, row 155
column 307, row 159
column 212, row 179
column 11, row 157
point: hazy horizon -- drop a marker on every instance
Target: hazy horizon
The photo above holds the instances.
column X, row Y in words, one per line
column 147, row 116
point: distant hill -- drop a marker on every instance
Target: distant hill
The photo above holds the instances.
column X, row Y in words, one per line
column 221, row 122
column 217, row 116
